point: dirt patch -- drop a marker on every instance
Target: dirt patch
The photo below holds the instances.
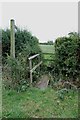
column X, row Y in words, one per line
column 43, row 83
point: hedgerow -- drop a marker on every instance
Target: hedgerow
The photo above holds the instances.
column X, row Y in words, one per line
column 16, row 70
column 66, row 63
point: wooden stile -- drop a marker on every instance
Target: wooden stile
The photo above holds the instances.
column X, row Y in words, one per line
column 34, row 68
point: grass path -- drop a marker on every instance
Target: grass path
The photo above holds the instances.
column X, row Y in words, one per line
column 38, row 103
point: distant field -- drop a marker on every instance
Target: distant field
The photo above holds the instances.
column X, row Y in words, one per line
column 47, row 48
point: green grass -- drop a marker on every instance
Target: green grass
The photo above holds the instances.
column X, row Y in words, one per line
column 48, row 52
column 39, row 104
column 47, row 48
column 48, row 56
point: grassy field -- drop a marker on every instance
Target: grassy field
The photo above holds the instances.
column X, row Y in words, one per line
column 39, row 104
column 47, row 48
column 48, row 52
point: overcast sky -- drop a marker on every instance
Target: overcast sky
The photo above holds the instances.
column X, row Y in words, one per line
column 46, row 21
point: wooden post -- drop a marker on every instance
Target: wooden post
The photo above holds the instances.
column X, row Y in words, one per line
column 30, row 64
column 39, row 62
column 12, row 36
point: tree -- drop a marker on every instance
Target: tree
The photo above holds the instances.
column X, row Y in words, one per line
column 24, row 41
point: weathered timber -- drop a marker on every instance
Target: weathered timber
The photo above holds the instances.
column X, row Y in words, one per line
column 30, row 58
column 30, row 66
column 12, row 37
column 36, row 66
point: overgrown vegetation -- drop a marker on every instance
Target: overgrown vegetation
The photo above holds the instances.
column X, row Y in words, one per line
column 66, row 58
column 66, row 63
column 16, row 70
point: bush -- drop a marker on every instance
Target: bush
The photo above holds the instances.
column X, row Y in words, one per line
column 17, row 71
column 66, row 63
